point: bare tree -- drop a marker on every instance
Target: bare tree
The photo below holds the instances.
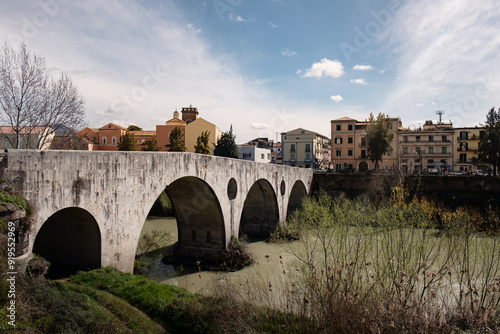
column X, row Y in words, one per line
column 33, row 103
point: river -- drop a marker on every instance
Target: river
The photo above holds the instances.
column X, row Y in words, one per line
column 264, row 279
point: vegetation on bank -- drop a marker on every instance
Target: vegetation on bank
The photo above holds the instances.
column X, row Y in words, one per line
column 398, row 266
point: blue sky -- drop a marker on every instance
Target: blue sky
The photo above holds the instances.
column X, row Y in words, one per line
column 268, row 66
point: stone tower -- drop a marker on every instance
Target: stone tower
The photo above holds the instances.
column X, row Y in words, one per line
column 189, row 114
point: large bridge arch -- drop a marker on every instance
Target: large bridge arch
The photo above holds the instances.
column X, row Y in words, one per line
column 70, row 236
column 260, row 212
column 200, row 221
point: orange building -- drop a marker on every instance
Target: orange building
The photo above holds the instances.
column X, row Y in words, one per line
column 105, row 138
column 163, row 131
column 349, row 149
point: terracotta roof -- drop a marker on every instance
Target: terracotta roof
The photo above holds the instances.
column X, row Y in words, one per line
column 9, row 130
column 105, row 127
column 144, row 133
column 344, row 119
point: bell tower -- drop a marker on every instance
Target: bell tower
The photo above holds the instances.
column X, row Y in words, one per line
column 189, row 114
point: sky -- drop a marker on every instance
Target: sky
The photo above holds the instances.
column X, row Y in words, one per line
column 268, row 66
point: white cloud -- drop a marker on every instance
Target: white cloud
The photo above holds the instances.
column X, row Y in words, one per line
column 272, row 25
column 336, row 98
column 257, row 125
column 325, row 68
column 362, row 67
column 441, row 53
column 288, row 53
column 193, row 29
column 238, row 18
column 420, row 104
column 359, row 81
column 298, row 72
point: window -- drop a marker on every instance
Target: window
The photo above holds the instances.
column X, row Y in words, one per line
column 338, row 140
column 363, row 141
column 292, row 148
column 247, row 155
column 308, row 156
column 417, row 139
column 349, row 153
column 444, row 149
column 431, row 138
column 431, row 150
column 463, row 157
column 292, row 157
column 262, row 156
column 363, row 154
column 338, row 153
column 143, row 141
column 417, row 149
column 302, row 132
column 308, row 147
column 404, row 161
column 339, row 127
column 405, row 150
column 464, row 135
column 104, row 140
column 113, row 140
column 349, row 140
column 405, row 139
column 444, row 138
column 430, row 161
column 481, row 134
column 349, row 127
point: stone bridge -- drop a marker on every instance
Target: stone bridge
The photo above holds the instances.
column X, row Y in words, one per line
column 90, row 207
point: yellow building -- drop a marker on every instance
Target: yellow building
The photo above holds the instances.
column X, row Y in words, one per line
column 194, row 129
column 349, row 149
column 304, row 148
column 427, row 149
column 467, row 150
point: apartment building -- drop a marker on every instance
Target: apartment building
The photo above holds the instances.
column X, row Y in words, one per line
column 254, row 153
column 466, row 142
column 349, row 149
column 427, row 149
column 306, row 149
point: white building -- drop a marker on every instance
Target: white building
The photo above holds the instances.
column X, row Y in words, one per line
column 253, row 153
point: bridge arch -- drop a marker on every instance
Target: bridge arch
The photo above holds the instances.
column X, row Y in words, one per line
column 200, row 221
column 297, row 193
column 260, row 212
column 71, row 236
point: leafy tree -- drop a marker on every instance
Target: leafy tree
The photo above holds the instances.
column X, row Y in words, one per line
column 151, row 145
column 32, row 102
column 489, row 145
column 378, row 138
column 176, row 138
column 226, row 145
column 127, row 142
column 202, row 143
column 133, row 127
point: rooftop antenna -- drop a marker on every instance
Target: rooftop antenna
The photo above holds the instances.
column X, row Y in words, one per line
column 440, row 113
